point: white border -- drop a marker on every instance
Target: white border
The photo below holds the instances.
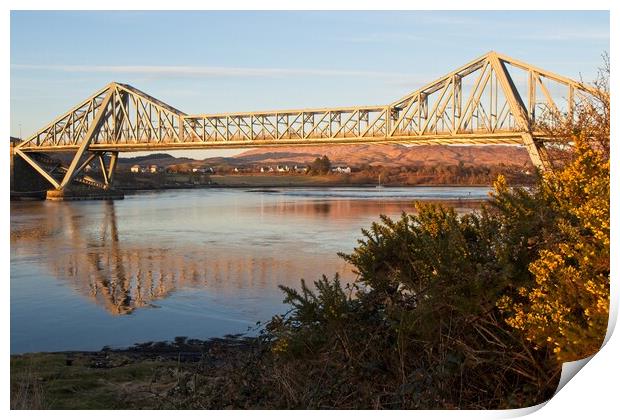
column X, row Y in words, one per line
column 592, row 394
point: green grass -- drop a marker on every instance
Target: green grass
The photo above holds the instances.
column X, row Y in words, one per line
column 46, row 381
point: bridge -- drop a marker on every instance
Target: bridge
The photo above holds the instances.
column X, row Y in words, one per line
column 493, row 99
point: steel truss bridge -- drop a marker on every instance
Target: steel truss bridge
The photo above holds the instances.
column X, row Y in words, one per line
column 494, row 99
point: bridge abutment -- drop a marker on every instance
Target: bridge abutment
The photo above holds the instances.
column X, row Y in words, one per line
column 72, row 194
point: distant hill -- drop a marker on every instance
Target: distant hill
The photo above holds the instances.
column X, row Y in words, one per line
column 392, row 155
column 356, row 156
column 163, row 159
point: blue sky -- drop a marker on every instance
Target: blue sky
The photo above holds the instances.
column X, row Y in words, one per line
column 209, row 62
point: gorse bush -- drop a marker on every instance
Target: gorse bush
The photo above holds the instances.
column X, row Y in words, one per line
column 462, row 311
column 421, row 327
column 567, row 306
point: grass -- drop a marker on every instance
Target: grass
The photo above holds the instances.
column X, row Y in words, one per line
column 47, row 381
column 181, row 374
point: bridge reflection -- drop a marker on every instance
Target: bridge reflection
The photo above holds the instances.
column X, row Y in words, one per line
column 122, row 274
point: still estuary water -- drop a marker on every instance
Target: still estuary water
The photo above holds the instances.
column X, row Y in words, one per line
column 196, row 263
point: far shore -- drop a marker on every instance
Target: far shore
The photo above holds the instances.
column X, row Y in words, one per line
column 280, row 181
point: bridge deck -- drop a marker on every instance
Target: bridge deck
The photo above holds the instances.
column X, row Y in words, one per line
column 507, row 138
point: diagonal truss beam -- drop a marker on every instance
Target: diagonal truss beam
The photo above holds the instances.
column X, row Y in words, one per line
column 539, row 157
column 38, row 168
column 96, row 124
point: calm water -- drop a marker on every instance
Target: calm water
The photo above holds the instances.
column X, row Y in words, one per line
column 197, row 263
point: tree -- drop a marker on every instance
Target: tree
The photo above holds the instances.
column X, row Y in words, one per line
column 320, row 166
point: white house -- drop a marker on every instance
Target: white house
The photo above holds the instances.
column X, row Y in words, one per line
column 136, row 169
column 282, row 168
column 342, row 169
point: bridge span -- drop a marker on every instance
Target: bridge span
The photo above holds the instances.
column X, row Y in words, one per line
column 493, row 99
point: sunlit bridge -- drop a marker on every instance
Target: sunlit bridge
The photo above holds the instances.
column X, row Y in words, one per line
column 493, row 99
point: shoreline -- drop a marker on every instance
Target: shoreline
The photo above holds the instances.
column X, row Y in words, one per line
column 258, row 183
column 41, row 196
column 185, row 345
column 142, row 376
column 318, row 185
column 311, row 185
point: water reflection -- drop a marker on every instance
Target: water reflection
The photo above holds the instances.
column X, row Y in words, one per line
column 123, row 276
column 203, row 261
column 355, row 209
